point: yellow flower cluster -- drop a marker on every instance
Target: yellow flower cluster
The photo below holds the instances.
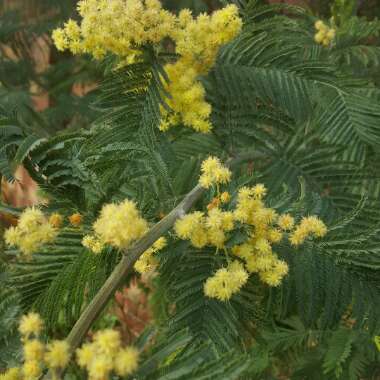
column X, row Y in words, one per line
column 226, row 281
column 120, row 27
column 11, row 374
column 30, row 324
column 147, row 261
column 101, row 358
column 106, row 355
column 93, row 243
column 264, row 227
column 324, row 34
column 32, row 232
column 123, row 27
column 198, row 41
column 118, row 225
column 187, row 102
column 36, row 354
column 204, row 230
column 308, row 226
column 213, row 173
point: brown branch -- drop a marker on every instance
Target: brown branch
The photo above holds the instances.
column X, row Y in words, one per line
column 130, row 256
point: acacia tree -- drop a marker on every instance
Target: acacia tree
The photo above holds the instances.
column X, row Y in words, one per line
column 236, row 128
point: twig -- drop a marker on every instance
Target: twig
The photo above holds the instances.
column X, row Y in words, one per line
column 130, row 256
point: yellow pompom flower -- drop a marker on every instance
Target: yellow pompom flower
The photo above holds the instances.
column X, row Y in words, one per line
column 58, row 354
column 31, row 233
column 31, row 218
column 100, row 367
column 107, row 341
column 30, row 323
column 85, row 355
column 326, row 42
column 126, row 361
column 33, row 350
column 186, row 226
column 311, row 225
column 213, row 173
column 159, row 244
column 32, row 370
column 147, row 261
column 93, row 244
column 226, row 282
column 331, row 34
column 325, row 34
column 285, row 222
column 120, row 224
column 11, row 374
column 320, row 25
column 271, row 278
column 259, row 191
column 12, row 236
column 274, row 235
column 60, row 39
column 319, row 37
column 263, row 246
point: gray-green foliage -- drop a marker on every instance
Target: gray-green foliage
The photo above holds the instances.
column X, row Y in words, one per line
column 314, row 125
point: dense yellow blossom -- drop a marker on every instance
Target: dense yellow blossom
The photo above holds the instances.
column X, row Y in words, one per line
column 204, row 230
column 274, row 275
column 189, row 225
column 324, row 34
column 213, row 173
column 11, row 374
column 308, row 226
column 120, row 224
column 102, row 358
column 147, row 261
column 187, row 101
column 105, row 355
column 85, row 354
column 30, row 324
column 33, row 350
column 32, row 370
column 124, row 27
column 116, row 26
column 198, row 41
column 264, row 228
column 226, row 281
column 285, row 222
column 31, row 233
column 57, row 355
column 100, row 367
column 126, row 361
column 93, row 243
column 107, row 341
